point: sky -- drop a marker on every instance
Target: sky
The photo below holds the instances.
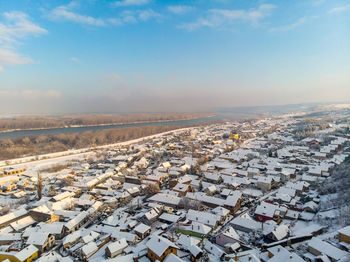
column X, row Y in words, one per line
column 171, row 56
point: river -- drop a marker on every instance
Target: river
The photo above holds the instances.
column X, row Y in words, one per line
column 64, row 130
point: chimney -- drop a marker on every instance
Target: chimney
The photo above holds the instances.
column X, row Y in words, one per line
column 158, row 239
column 278, row 249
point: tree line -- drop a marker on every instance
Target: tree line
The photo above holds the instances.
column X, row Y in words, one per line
column 35, row 122
column 38, row 145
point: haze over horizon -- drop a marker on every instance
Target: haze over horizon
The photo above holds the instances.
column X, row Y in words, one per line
column 167, row 56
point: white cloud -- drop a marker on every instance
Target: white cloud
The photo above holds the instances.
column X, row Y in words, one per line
column 65, row 13
column 130, row 2
column 15, row 26
column 180, row 9
column 9, row 58
column 148, row 14
column 290, row 27
column 340, row 9
column 223, row 17
column 75, row 60
column 135, row 16
column 285, row 28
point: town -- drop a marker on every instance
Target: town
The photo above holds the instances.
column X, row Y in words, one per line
column 271, row 189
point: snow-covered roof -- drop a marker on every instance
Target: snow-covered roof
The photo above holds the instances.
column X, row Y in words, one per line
column 232, row 199
column 12, row 216
column 159, row 245
column 26, row 253
column 345, row 231
column 37, row 238
column 327, row 249
column 266, row 209
column 203, row 217
column 89, row 249
column 117, row 246
column 230, row 232
column 76, row 220
column 173, row 258
column 142, row 228
column 165, row 199
column 169, row 217
column 280, row 232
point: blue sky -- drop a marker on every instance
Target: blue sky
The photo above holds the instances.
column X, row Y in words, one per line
column 152, row 55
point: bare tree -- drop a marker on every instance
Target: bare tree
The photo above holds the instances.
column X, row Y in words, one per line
column 39, row 186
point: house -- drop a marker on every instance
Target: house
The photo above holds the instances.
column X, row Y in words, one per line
column 194, row 228
column 22, row 223
column 233, row 201
column 158, row 248
column 206, row 218
column 344, row 234
column 155, row 178
column 287, row 173
column 182, row 189
column 214, row 250
column 318, row 247
column 228, row 236
column 25, row 255
column 142, row 230
column 7, row 219
column 62, row 196
column 130, row 237
column 253, row 172
column 42, row 240
column 279, row 233
column 76, row 222
column 310, row 206
column 89, row 249
column 173, row 258
column 166, row 199
column 41, row 213
column 210, row 190
column 152, row 215
column 279, row 253
column 266, row 211
column 209, row 201
column 169, row 218
column 264, row 183
column 185, row 241
column 212, row 178
column 248, row 258
column 222, row 212
column 196, row 253
column 8, row 238
column 245, row 223
column 55, row 228
column 116, row 248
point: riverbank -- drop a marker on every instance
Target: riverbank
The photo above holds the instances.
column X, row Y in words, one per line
column 107, row 124
column 56, row 131
column 40, row 161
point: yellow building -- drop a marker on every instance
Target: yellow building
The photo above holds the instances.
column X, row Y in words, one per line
column 159, row 248
column 25, row 255
column 14, row 171
column 344, row 234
